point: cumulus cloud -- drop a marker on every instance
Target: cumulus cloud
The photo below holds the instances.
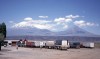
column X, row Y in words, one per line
column 43, row 26
column 68, row 18
column 54, row 25
column 65, row 20
column 62, row 20
column 28, row 19
column 82, row 23
column 29, row 22
column 43, row 16
column 72, row 16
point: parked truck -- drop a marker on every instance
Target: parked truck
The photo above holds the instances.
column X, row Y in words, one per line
column 30, row 44
column 61, row 44
column 40, row 43
column 50, row 44
column 75, row 45
column 37, row 44
column 88, row 44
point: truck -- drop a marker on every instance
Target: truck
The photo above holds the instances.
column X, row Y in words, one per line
column 30, row 44
column 50, row 44
column 88, row 44
column 40, row 44
column 61, row 44
column 76, row 45
column 37, row 44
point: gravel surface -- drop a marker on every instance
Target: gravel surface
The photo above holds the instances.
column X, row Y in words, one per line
column 37, row 53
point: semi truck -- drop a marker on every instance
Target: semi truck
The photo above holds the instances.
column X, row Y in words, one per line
column 76, row 45
column 50, row 44
column 88, row 44
column 39, row 44
column 61, row 44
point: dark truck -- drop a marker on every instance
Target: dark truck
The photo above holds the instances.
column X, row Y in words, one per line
column 62, row 44
column 75, row 45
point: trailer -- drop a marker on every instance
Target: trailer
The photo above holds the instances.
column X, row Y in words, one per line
column 14, row 43
column 30, row 44
column 75, row 45
column 62, row 44
column 88, row 44
column 50, row 44
column 37, row 44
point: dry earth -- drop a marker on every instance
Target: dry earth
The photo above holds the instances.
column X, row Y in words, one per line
column 37, row 53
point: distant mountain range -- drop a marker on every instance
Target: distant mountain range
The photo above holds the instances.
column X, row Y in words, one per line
column 72, row 31
column 76, row 31
column 72, row 34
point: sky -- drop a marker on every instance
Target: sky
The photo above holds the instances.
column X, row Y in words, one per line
column 53, row 15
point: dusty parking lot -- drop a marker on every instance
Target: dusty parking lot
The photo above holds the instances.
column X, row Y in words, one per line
column 37, row 53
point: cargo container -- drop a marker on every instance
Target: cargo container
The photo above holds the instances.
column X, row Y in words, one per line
column 50, row 44
column 62, row 44
column 37, row 44
column 42, row 44
column 88, row 44
column 30, row 44
column 14, row 43
column 75, row 45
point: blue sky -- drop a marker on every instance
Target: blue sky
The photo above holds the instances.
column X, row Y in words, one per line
column 54, row 15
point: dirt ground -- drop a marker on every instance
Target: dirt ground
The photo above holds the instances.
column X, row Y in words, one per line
column 37, row 53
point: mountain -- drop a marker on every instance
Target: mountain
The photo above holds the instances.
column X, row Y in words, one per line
column 72, row 31
column 75, row 31
column 29, row 31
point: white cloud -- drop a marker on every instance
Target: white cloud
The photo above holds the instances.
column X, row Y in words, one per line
column 71, row 16
column 29, row 22
column 55, row 25
column 28, row 19
column 43, row 26
column 62, row 20
column 66, row 19
column 58, row 24
column 43, row 16
column 82, row 23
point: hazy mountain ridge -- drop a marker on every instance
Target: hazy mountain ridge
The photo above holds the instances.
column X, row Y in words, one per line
column 72, row 31
column 76, row 31
column 72, row 34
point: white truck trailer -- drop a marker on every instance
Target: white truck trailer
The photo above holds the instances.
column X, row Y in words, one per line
column 50, row 44
column 88, row 44
column 40, row 43
column 62, row 44
column 37, row 44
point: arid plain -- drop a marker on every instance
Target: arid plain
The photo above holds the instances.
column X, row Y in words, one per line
column 37, row 53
